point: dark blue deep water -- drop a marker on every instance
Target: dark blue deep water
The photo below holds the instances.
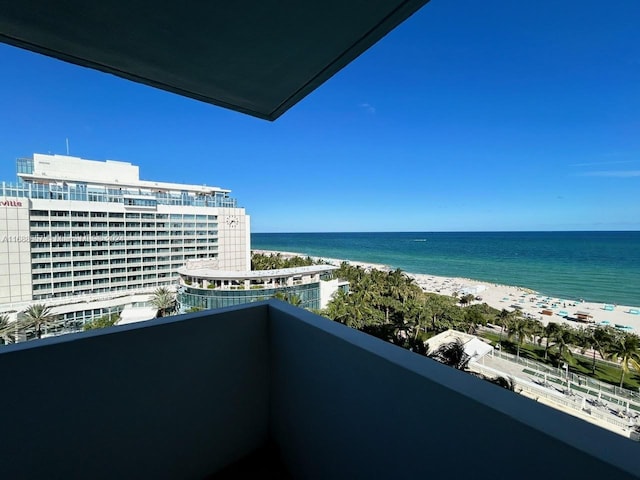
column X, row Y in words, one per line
column 595, row 266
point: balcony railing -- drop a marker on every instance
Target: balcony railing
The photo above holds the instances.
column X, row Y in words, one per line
column 185, row 396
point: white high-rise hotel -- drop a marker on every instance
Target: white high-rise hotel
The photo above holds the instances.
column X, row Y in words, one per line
column 88, row 236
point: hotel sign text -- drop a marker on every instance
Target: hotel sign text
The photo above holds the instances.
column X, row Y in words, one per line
column 10, row 203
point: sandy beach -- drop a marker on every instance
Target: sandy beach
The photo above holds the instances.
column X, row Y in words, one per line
column 532, row 304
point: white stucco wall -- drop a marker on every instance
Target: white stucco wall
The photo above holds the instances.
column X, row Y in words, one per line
column 15, row 250
column 234, row 247
column 327, row 289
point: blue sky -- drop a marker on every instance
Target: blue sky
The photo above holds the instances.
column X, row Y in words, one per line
column 470, row 116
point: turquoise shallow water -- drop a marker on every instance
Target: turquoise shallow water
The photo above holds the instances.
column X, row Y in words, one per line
column 595, row 266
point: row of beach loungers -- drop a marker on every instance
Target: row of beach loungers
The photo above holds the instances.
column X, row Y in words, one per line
column 548, row 305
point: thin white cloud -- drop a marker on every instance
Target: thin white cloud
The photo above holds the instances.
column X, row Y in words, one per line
column 593, row 164
column 368, row 108
column 613, row 173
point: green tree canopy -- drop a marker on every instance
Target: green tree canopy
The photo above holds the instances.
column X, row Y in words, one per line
column 276, row 261
column 101, row 322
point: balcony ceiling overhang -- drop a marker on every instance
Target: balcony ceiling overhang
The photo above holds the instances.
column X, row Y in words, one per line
column 258, row 57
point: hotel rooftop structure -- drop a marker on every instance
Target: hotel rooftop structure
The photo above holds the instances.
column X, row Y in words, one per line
column 89, row 236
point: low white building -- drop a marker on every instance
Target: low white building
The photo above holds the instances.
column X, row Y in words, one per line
column 472, row 289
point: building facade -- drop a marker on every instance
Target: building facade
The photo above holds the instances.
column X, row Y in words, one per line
column 86, row 236
column 202, row 286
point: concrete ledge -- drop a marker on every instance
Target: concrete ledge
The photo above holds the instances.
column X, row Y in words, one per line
column 348, row 404
column 179, row 397
column 185, row 396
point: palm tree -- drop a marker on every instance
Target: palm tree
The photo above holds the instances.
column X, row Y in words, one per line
column 291, row 298
column 503, row 319
column 350, row 310
column 36, row 316
column 520, row 329
column 564, row 338
column 537, row 330
column 361, row 313
column 338, row 308
column 5, row 328
column 467, row 299
column 626, row 350
column 550, row 330
column 397, row 285
column 596, row 339
column 371, row 287
column 437, row 307
column 417, row 316
column 164, row 300
column 452, row 354
column 473, row 317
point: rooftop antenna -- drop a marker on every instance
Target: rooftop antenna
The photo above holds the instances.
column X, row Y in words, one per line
column 67, row 146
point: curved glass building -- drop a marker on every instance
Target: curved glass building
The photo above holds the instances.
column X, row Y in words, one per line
column 203, row 287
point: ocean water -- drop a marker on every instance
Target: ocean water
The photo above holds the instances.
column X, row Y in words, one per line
column 594, row 266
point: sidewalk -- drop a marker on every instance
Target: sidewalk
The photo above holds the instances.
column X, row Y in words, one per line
column 605, row 410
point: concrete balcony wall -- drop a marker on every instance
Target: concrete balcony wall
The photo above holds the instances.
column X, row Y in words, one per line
column 172, row 398
column 347, row 405
column 185, row 396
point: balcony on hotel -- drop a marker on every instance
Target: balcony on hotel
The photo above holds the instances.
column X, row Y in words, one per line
column 274, row 391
